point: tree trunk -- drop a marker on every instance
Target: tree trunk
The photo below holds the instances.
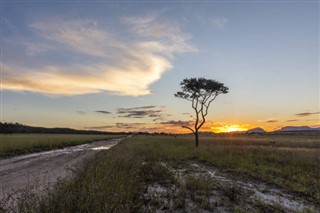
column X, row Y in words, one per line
column 197, row 138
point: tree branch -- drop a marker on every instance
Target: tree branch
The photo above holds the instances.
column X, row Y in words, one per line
column 193, row 105
column 203, row 116
column 197, row 114
column 189, row 129
column 203, row 121
column 207, row 106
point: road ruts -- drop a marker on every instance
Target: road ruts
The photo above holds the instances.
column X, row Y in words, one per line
column 40, row 169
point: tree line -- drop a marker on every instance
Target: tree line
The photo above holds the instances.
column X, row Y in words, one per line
column 10, row 128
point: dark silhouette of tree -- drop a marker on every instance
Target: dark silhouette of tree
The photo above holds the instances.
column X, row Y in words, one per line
column 201, row 92
column 10, row 128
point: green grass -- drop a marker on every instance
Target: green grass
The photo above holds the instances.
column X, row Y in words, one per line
column 117, row 179
column 293, row 163
column 14, row 144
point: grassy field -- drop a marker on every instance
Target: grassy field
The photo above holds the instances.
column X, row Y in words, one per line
column 119, row 179
column 14, row 144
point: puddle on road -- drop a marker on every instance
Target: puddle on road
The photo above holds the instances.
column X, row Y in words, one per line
column 105, row 147
column 102, row 147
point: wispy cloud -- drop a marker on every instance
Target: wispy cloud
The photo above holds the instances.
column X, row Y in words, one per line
column 36, row 48
column 81, row 112
column 98, row 127
column 172, row 38
column 103, row 112
column 141, row 112
column 304, row 114
column 220, row 22
column 292, row 120
column 119, row 65
column 158, row 119
column 118, row 127
column 83, row 36
column 129, row 125
column 140, row 108
column 188, row 114
column 269, row 120
column 177, row 123
column 313, row 119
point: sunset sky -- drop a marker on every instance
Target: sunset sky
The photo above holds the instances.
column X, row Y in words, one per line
column 115, row 65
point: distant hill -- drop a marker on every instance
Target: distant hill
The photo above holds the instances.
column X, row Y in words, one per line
column 297, row 128
column 6, row 128
column 256, row 130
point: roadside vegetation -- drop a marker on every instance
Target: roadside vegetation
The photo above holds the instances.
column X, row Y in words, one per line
column 151, row 173
column 15, row 144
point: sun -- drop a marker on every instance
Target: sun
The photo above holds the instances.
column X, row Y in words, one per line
column 233, row 129
column 228, row 128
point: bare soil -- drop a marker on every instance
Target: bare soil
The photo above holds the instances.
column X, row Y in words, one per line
column 200, row 188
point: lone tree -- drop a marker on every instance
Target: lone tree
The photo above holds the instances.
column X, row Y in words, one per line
column 201, row 92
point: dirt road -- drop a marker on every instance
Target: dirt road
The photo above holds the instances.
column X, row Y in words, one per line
column 40, row 169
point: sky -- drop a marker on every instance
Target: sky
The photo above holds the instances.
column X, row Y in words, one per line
column 116, row 65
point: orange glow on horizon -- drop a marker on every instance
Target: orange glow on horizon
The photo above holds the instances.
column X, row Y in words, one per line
column 228, row 128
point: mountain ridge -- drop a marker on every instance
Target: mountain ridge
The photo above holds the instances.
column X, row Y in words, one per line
column 296, row 128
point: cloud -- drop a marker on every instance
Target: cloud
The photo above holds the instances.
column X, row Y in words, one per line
column 128, row 125
column 83, row 36
column 220, row 22
column 98, row 127
column 118, row 127
column 103, row 112
column 173, row 39
column 140, row 112
column 36, row 48
column 139, row 108
column 269, row 120
column 118, row 64
column 304, row 114
column 292, row 120
column 312, row 120
column 177, row 123
column 158, row 119
column 188, row 114
column 82, row 112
